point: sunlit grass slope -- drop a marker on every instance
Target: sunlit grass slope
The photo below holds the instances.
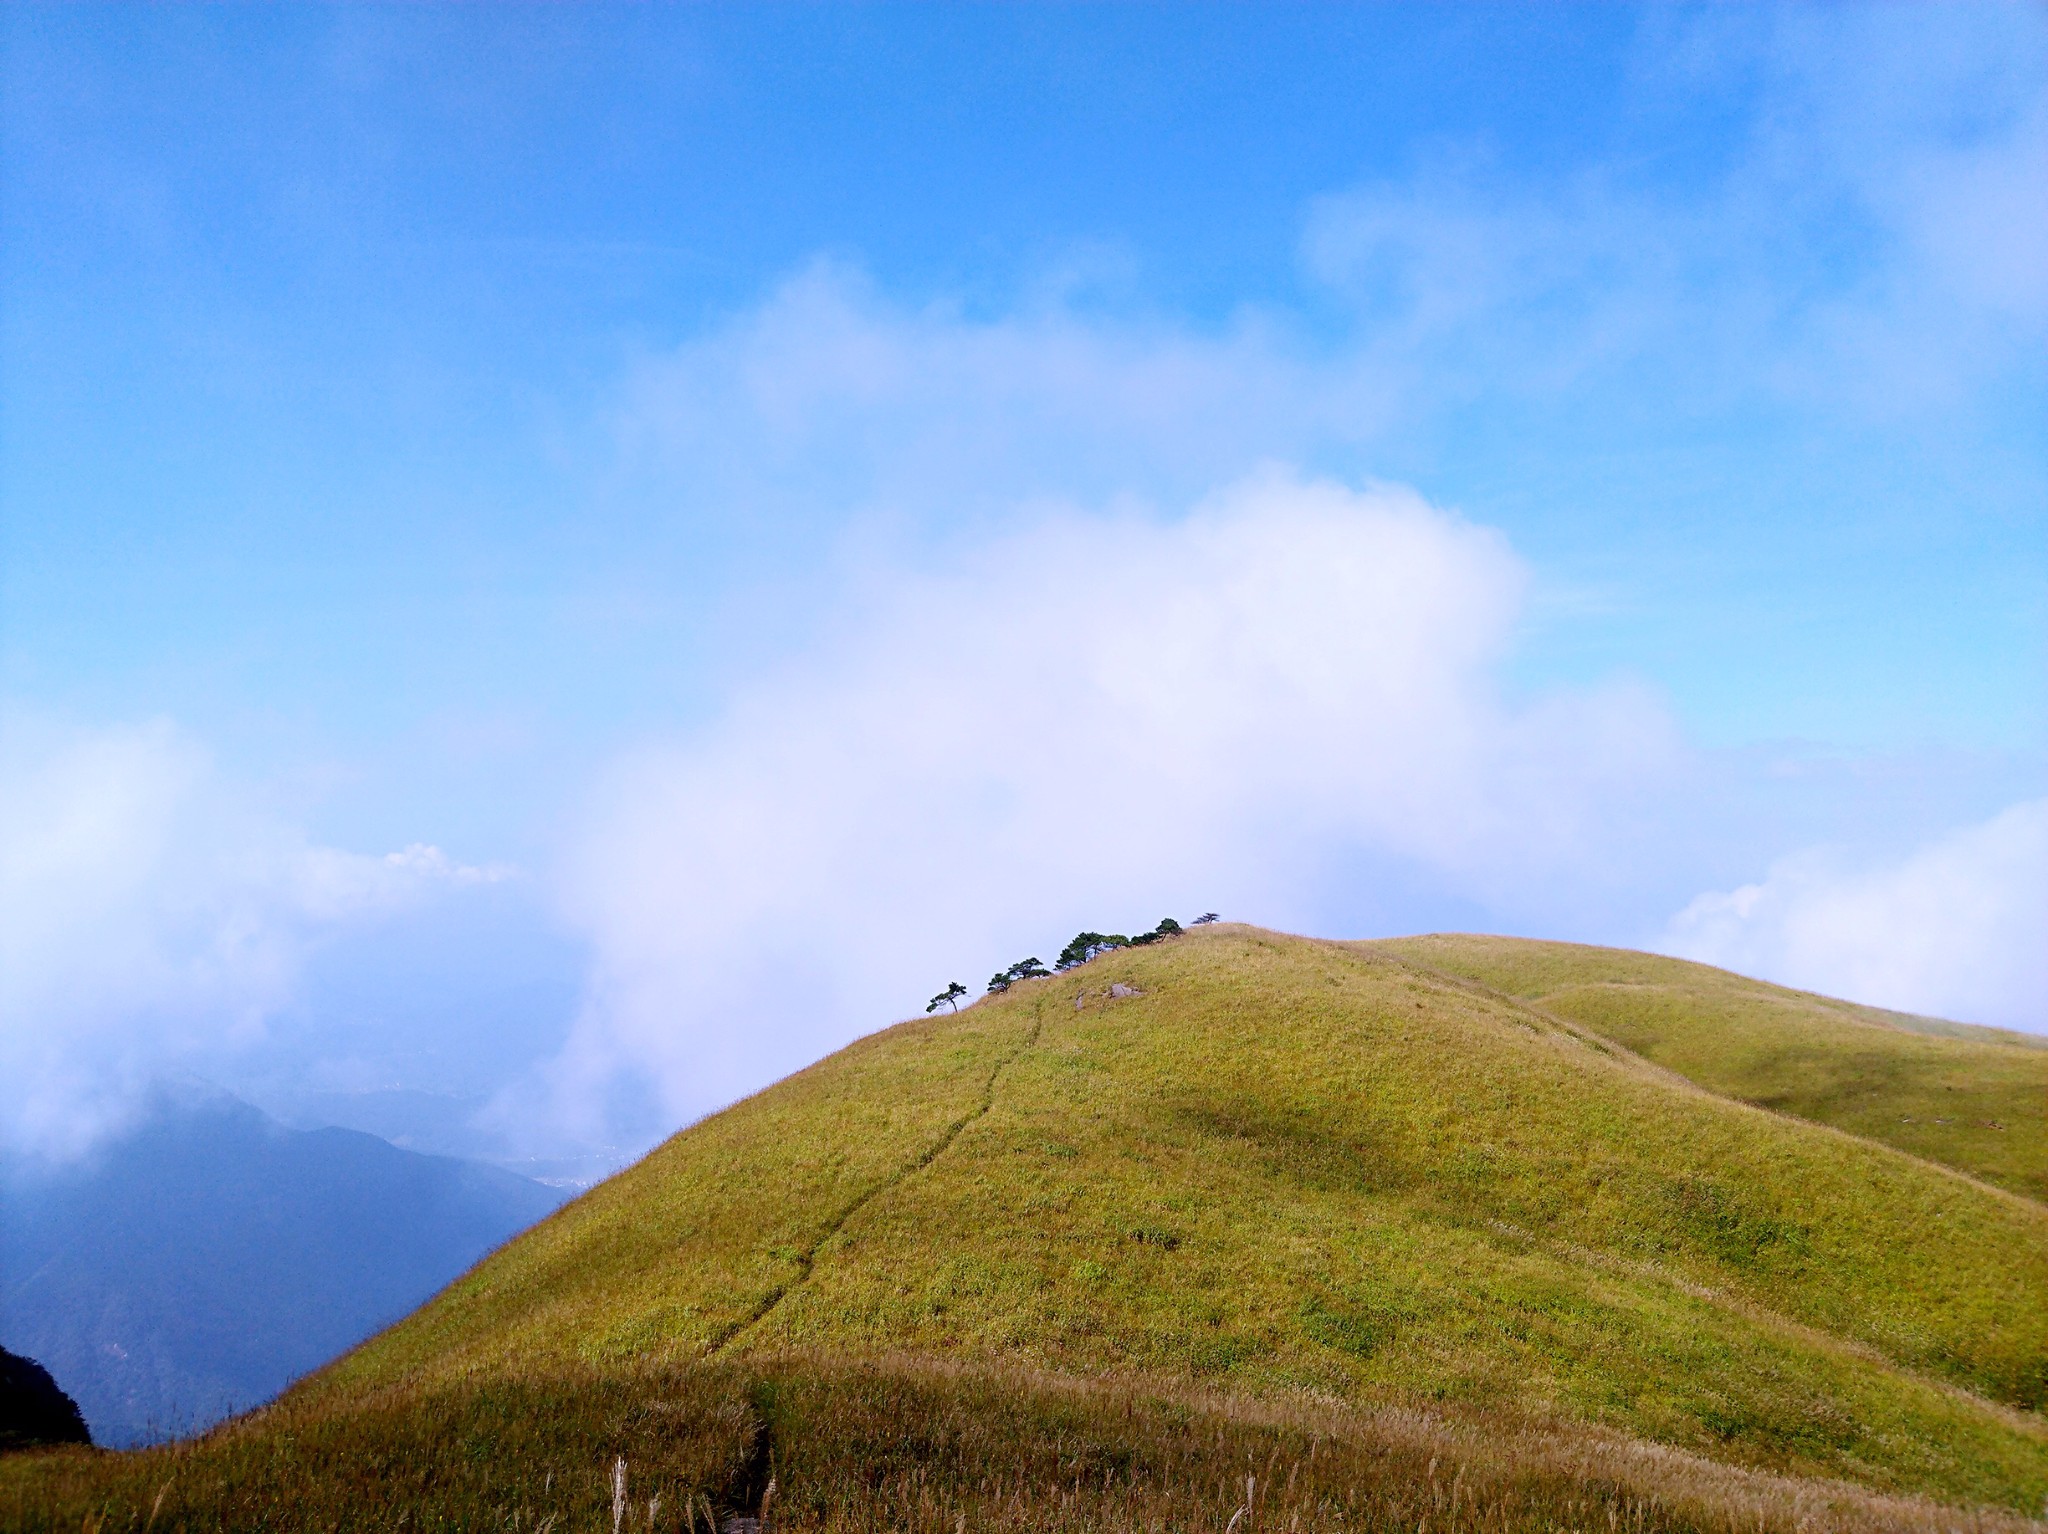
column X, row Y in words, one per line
column 1972, row 1098
column 1294, row 1165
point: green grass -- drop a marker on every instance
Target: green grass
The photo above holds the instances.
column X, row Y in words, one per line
column 1975, row 1099
column 1292, row 1186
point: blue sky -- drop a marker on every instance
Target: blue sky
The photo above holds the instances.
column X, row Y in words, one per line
column 464, row 429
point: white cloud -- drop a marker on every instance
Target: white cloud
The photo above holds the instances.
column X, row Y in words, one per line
column 1874, row 242
column 1877, row 241
column 829, row 398
column 1094, row 720
column 1066, row 718
column 1959, row 929
column 148, row 919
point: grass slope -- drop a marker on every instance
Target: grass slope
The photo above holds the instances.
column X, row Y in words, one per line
column 1295, row 1164
column 1972, row 1098
column 1296, row 1198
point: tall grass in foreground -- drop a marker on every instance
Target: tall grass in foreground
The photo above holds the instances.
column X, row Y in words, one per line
column 916, row 1445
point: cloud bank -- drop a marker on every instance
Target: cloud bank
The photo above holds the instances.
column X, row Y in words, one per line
column 1092, row 720
column 1959, row 929
column 1283, row 705
column 1874, row 244
column 149, row 920
column 1871, row 243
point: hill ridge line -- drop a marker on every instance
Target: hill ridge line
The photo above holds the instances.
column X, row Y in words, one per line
column 1571, row 1027
column 1862, row 1013
column 1535, row 1005
column 806, row 1259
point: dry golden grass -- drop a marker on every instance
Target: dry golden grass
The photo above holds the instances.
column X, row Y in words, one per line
column 922, row 1445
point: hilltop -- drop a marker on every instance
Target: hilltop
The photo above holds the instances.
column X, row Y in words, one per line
column 1285, row 1197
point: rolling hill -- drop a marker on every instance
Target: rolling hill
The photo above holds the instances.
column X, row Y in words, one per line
column 1975, row 1099
column 1095, row 1251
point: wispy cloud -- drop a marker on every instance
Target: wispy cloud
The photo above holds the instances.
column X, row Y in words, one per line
column 830, row 397
column 1957, row 929
column 1868, row 240
column 149, row 919
column 1875, row 241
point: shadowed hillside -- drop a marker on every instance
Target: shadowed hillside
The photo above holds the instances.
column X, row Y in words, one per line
column 1290, row 1195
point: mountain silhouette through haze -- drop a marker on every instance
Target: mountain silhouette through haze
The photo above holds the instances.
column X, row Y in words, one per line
column 201, row 1262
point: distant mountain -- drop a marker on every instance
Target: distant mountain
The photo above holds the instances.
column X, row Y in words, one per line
column 443, row 1124
column 200, row 1264
column 433, row 1123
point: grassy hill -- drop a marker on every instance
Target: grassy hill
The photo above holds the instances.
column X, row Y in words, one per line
column 1975, row 1099
column 1296, row 1209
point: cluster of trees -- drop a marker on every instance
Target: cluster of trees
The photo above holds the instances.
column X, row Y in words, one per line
column 1023, row 969
column 1085, row 946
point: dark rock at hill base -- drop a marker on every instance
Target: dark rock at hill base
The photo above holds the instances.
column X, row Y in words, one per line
column 33, row 1410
